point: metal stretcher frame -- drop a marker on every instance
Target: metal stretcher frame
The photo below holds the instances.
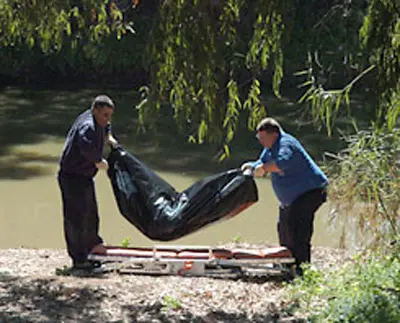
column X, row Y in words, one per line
column 196, row 261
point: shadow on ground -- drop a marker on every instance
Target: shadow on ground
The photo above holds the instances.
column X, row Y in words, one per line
column 158, row 313
column 48, row 300
column 45, row 300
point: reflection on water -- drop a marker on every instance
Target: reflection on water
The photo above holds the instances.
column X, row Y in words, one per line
column 32, row 129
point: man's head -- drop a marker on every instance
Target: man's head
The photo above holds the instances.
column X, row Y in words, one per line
column 268, row 130
column 102, row 109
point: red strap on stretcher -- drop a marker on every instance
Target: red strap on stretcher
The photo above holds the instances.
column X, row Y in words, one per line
column 220, row 253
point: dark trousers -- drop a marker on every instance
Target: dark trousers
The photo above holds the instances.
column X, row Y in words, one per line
column 81, row 220
column 296, row 224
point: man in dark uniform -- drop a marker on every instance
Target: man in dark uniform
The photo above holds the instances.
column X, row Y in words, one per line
column 299, row 184
column 81, row 158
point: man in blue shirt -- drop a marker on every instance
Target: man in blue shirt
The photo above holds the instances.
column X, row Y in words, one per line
column 81, row 158
column 298, row 183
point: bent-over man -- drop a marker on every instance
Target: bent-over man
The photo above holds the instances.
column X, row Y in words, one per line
column 299, row 184
column 81, row 158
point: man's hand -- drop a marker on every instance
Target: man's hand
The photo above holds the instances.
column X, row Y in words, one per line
column 112, row 141
column 246, row 166
column 103, row 164
column 259, row 171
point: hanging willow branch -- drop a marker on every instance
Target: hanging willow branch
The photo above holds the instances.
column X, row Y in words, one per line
column 197, row 51
column 49, row 23
column 325, row 104
column 208, row 58
column 380, row 34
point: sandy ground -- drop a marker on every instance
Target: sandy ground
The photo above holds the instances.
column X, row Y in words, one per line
column 30, row 291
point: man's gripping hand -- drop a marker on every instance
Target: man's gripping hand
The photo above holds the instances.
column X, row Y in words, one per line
column 259, row 171
column 103, row 164
column 246, row 166
column 112, row 141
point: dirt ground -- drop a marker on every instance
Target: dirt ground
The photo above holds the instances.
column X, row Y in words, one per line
column 30, row 291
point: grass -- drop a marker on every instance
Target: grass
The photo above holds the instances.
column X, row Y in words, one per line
column 367, row 289
column 171, row 303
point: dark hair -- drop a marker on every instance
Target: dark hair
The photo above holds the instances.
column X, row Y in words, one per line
column 102, row 101
column 269, row 125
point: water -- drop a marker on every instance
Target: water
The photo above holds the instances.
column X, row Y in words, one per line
column 32, row 129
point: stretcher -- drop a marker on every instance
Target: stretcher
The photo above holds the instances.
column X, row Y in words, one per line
column 196, row 261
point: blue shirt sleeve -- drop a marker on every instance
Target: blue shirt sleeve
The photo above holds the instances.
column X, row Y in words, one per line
column 265, row 156
column 255, row 163
column 87, row 144
column 284, row 158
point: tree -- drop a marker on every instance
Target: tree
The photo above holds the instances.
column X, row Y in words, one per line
column 73, row 40
column 50, row 23
column 368, row 174
column 210, row 60
column 381, row 35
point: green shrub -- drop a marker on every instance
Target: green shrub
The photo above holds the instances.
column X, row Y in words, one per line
column 364, row 290
column 365, row 183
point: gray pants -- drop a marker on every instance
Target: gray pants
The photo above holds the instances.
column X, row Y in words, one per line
column 81, row 220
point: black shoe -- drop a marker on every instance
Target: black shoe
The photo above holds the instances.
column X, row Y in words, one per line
column 88, row 265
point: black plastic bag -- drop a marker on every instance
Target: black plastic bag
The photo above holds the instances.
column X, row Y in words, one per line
column 160, row 212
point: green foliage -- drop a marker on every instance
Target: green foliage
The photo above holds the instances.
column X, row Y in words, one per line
column 171, row 303
column 81, row 58
column 329, row 30
column 365, row 178
column 381, row 35
column 380, row 39
column 393, row 110
column 326, row 104
column 266, row 42
column 63, row 271
column 237, row 238
column 48, row 23
column 364, row 290
column 126, row 243
column 334, row 64
column 254, row 105
column 199, row 54
column 210, row 59
column 365, row 183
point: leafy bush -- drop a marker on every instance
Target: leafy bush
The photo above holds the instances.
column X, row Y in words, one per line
column 365, row 183
column 364, row 290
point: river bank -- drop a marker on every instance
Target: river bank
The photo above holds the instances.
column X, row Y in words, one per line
column 30, row 291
